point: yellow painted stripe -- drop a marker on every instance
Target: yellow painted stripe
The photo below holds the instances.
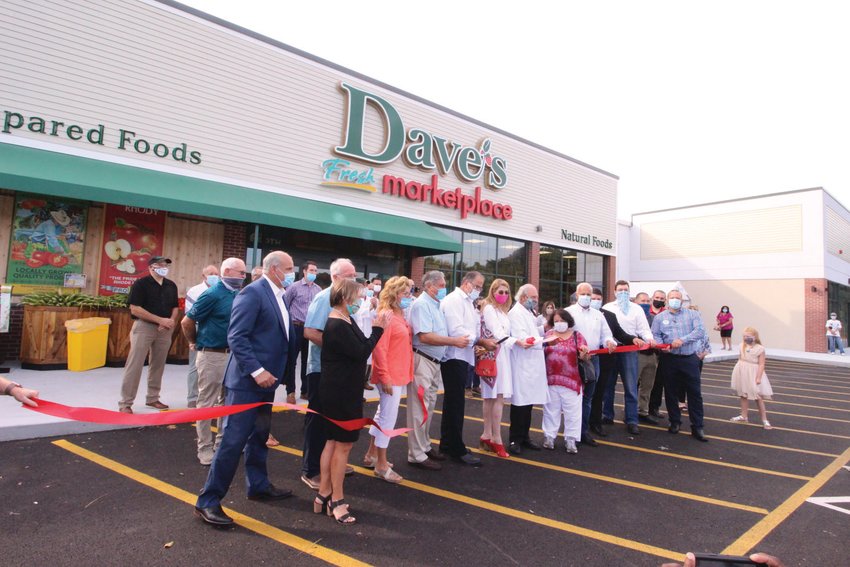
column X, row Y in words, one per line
column 774, row 412
column 784, row 395
column 520, row 515
column 368, row 188
column 271, row 532
column 757, row 533
column 779, row 384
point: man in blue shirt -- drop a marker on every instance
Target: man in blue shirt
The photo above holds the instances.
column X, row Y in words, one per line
column 683, row 330
column 211, row 313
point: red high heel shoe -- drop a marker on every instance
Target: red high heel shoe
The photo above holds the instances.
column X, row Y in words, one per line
column 486, row 445
column 500, row 450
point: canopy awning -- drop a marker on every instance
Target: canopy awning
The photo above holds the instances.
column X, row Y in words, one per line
column 52, row 173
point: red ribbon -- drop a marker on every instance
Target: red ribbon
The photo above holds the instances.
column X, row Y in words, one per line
column 100, row 415
column 630, row 348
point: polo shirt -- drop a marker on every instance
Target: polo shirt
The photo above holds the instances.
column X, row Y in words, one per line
column 156, row 299
column 426, row 317
column 211, row 312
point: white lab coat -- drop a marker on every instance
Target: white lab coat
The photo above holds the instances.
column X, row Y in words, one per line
column 497, row 322
column 528, row 366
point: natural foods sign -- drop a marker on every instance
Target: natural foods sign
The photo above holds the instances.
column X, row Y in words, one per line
column 47, row 242
column 419, row 149
column 131, row 236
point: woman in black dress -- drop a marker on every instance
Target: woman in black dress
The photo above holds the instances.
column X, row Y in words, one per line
column 344, row 354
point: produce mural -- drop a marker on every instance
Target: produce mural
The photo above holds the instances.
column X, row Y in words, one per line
column 131, row 235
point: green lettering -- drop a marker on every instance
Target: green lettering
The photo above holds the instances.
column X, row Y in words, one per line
column 74, row 132
column 355, row 122
column 420, row 152
column 469, row 164
column 36, row 125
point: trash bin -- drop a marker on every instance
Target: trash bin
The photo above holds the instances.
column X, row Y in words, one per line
column 87, row 340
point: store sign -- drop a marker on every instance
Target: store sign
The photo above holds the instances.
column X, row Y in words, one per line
column 131, row 236
column 420, row 149
column 588, row 239
column 124, row 139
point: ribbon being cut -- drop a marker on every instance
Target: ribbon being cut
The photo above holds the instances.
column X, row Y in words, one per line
column 100, row 415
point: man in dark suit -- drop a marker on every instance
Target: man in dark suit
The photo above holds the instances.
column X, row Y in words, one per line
column 261, row 346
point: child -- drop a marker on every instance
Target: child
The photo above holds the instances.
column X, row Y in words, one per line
column 748, row 378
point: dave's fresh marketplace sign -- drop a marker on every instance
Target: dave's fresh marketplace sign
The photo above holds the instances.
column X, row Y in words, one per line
column 420, row 149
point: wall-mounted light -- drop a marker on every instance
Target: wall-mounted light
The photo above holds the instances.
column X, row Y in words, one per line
column 539, row 228
column 814, row 289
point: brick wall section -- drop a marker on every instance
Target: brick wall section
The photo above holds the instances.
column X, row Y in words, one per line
column 10, row 343
column 234, row 240
column 417, row 270
column 533, row 263
column 610, row 278
column 816, row 306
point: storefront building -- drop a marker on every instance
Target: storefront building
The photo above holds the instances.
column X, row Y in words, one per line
column 145, row 127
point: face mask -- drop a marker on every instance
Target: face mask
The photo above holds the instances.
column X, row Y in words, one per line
column 530, row 304
column 441, row 294
column 645, row 307
column 596, row 304
column 235, row 283
column 623, row 301
column 584, row 301
column 658, row 303
column 749, row 340
column 377, row 288
column 473, row 295
column 369, row 293
column 724, row 310
column 352, row 309
column 561, row 327
column 311, row 277
column 675, row 303
column 161, row 272
column 212, row 280
column 405, row 302
column 288, row 279
column 833, row 317
column 501, row 299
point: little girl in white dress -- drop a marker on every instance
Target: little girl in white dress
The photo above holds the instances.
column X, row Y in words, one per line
column 749, row 379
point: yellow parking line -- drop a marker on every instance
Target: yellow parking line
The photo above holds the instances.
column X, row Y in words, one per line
column 520, row 515
column 256, row 526
column 774, row 412
column 847, row 401
column 777, row 402
column 780, row 384
column 757, row 533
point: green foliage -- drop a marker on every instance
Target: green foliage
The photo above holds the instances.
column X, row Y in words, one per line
column 81, row 300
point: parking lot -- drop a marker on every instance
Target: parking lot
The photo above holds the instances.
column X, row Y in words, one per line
column 126, row 496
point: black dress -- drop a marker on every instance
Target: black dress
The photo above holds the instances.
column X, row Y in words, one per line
column 345, row 351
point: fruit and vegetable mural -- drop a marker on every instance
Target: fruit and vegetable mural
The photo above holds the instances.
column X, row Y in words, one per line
column 131, row 235
column 47, row 241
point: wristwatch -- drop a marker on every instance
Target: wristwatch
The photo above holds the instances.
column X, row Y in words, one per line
column 10, row 387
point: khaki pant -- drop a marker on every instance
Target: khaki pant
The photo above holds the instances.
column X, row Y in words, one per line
column 211, row 367
column 426, row 374
column 647, row 365
column 145, row 339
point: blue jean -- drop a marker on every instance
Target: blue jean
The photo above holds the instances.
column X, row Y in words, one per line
column 627, row 368
column 245, row 432
column 835, row 342
column 587, row 399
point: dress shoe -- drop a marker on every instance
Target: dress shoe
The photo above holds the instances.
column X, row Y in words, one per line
column 436, row 455
column 607, row 421
column 368, row 386
column 313, row 482
column 598, row 430
column 589, row 441
column 647, row 419
column 468, row 459
column 271, row 493
column 655, row 412
column 213, row 515
column 515, row 448
column 633, row 429
column 290, row 398
column 428, row 465
column 157, row 405
column 674, row 428
column 698, row 434
column 126, row 410
column 529, row 444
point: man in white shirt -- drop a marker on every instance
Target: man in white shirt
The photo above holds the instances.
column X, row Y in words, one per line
column 209, row 277
column 593, row 327
column 633, row 321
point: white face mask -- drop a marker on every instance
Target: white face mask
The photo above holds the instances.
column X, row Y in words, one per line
column 561, row 327
column 584, row 301
column 161, row 272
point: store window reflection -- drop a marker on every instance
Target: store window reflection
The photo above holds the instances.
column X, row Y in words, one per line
column 493, row 256
column 562, row 269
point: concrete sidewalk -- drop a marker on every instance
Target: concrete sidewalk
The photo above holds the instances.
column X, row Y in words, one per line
column 100, row 388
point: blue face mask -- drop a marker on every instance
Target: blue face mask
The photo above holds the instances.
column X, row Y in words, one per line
column 530, row 304
column 288, row 279
column 675, row 303
column 623, row 301
column 405, row 302
column 645, row 307
column 584, row 301
column 369, row 293
column 311, row 277
column 352, row 309
column 441, row 294
column 596, row 304
column 474, row 294
column 212, row 280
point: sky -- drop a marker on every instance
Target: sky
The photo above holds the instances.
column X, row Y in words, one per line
column 686, row 102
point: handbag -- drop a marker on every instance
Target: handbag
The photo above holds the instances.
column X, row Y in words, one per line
column 586, row 370
column 485, row 363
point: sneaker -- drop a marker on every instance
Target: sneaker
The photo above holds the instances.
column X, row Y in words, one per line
column 570, row 446
column 476, row 392
column 549, row 443
column 313, row 483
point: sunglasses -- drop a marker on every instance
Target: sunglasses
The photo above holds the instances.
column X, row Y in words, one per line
column 502, row 293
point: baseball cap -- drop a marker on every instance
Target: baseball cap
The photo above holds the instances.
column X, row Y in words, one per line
column 158, row 260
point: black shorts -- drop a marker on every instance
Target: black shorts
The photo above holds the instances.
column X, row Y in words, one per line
column 725, row 333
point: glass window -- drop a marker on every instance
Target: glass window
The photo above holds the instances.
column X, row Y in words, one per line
column 511, row 257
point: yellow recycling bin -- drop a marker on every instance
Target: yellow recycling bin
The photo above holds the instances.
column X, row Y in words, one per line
column 87, row 340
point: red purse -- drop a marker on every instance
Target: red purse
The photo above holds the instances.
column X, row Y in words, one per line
column 486, row 367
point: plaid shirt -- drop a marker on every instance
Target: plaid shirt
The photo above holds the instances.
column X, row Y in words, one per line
column 685, row 325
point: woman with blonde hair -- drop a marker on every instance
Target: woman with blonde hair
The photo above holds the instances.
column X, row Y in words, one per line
column 495, row 390
column 392, row 371
column 749, row 379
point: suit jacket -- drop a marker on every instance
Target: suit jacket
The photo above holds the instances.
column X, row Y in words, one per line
column 257, row 338
column 620, row 335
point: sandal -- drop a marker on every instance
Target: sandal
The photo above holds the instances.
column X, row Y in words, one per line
column 740, row 419
column 370, row 462
column 767, row 424
column 272, row 442
column 320, row 504
column 389, row 475
column 346, row 519
column 500, row 450
column 486, row 445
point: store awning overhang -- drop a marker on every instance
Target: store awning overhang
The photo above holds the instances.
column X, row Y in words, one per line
column 51, row 173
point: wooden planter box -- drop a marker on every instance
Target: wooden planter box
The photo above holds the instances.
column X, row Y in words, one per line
column 44, row 340
column 118, row 346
